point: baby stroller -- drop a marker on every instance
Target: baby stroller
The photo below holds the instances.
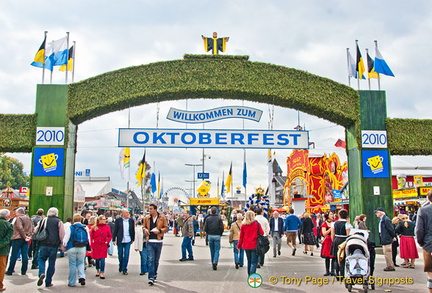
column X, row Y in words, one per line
column 357, row 262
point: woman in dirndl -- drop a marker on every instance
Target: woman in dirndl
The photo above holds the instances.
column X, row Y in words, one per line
column 407, row 245
column 327, row 242
column 307, row 233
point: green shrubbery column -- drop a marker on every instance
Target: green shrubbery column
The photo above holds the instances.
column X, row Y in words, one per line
column 367, row 193
column 53, row 164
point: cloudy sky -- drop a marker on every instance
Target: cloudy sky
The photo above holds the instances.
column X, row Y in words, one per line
column 307, row 35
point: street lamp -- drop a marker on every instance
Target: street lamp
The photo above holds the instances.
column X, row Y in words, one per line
column 193, row 175
column 203, row 158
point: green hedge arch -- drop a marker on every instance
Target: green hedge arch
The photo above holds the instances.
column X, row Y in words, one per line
column 17, row 132
column 212, row 77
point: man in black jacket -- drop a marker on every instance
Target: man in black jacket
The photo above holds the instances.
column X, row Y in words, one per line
column 123, row 238
column 49, row 247
column 387, row 234
column 213, row 226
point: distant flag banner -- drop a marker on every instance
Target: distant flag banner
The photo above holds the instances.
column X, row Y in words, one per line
column 340, row 143
column 158, row 184
column 352, row 72
column 380, row 66
column 223, row 185
column 70, row 61
column 371, row 71
column 360, row 68
column 39, row 59
column 124, row 162
column 153, row 182
column 141, row 173
column 244, row 171
column 60, row 51
column 161, row 190
column 229, row 180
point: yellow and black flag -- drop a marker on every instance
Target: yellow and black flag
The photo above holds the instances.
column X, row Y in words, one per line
column 39, row 59
column 228, row 182
column 71, row 57
column 141, row 173
column 360, row 68
column 371, row 71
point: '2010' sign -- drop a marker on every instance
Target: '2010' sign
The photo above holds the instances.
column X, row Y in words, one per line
column 50, row 135
column 374, row 139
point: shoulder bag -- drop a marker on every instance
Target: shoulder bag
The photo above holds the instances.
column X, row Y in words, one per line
column 42, row 233
column 263, row 243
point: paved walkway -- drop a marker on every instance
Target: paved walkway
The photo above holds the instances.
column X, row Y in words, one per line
column 285, row 273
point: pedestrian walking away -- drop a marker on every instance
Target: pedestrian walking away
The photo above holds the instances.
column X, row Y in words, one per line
column 34, row 247
column 49, row 247
column 248, row 240
column 76, row 252
column 291, row 225
column 234, row 236
column 266, row 228
column 23, row 231
column 214, row 227
column 188, row 234
column 386, row 235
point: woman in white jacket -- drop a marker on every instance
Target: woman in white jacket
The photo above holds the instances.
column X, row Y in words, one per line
column 140, row 246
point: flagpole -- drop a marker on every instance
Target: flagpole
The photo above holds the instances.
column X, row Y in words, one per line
column 43, row 67
column 348, row 67
column 379, row 80
column 369, row 69
column 127, row 185
column 52, row 69
column 67, row 58
column 358, row 72
column 73, row 61
column 244, row 178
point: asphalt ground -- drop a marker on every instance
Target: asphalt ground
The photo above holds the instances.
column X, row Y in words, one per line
column 285, row 273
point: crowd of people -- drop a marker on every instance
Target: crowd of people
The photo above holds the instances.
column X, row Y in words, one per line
column 90, row 239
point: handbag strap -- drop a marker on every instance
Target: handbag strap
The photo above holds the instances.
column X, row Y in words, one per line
column 43, row 224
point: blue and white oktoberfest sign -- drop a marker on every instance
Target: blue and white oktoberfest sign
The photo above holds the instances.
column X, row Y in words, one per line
column 213, row 138
column 214, row 114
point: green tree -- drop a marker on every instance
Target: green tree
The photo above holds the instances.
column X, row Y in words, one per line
column 11, row 173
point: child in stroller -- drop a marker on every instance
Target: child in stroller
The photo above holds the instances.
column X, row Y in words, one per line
column 357, row 260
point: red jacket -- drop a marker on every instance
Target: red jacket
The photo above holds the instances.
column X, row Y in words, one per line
column 249, row 235
column 99, row 241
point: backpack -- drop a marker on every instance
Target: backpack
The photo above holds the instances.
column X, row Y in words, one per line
column 79, row 236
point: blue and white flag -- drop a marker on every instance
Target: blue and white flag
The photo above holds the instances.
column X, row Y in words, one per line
column 380, row 66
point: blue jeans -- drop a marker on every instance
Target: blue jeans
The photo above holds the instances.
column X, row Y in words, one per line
column 123, row 250
column 238, row 254
column 100, row 264
column 143, row 255
column 50, row 254
column 252, row 259
column 187, row 246
column 153, row 254
column 76, row 256
column 214, row 244
column 17, row 245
